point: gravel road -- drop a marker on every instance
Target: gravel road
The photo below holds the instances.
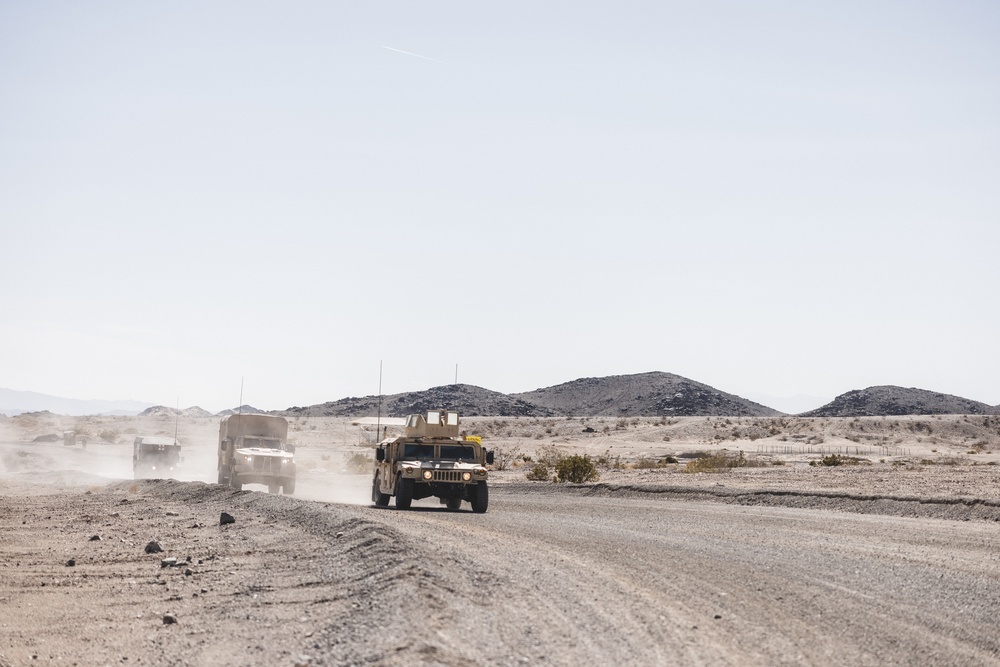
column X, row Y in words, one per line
column 550, row 575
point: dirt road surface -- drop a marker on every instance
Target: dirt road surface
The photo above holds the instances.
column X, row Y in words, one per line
column 551, row 575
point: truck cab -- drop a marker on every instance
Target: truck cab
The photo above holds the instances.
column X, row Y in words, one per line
column 254, row 449
column 155, row 457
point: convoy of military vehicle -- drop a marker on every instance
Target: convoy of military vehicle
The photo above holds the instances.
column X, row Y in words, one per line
column 432, row 458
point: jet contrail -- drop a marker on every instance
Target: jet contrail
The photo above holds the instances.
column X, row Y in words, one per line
column 416, row 55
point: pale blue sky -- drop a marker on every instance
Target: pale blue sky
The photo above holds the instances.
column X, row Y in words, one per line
column 774, row 198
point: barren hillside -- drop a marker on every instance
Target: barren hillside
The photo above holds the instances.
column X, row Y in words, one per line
column 890, row 400
column 645, row 394
column 469, row 400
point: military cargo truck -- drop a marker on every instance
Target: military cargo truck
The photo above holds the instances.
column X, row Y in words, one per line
column 431, row 459
column 155, row 456
column 254, row 449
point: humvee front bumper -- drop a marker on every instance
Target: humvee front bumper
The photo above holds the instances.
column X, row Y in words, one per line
column 443, row 475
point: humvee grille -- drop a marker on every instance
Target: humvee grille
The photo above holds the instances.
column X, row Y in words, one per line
column 447, row 476
column 267, row 463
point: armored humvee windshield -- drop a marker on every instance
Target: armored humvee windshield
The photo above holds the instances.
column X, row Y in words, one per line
column 418, row 452
column 458, row 453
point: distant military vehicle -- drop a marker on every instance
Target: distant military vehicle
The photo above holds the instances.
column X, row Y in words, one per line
column 254, row 449
column 155, row 456
column 431, row 459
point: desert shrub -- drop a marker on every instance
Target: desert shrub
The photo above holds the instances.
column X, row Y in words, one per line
column 607, row 461
column 108, row 435
column 504, row 457
column 831, row 460
column 576, row 469
column 838, row 460
column 549, row 456
column 359, row 463
column 538, row 473
column 644, row 462
column 722, row 461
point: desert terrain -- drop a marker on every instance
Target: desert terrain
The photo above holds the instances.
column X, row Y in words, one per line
column 860, row 541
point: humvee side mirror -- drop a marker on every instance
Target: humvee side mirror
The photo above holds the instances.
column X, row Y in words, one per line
column 489, row 458
column 380, row 455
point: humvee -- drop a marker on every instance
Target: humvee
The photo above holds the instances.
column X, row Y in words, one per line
column 154, row 456
column 431, row 459
column 253, row 449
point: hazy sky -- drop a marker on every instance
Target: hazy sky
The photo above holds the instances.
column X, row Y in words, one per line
column 774, row 198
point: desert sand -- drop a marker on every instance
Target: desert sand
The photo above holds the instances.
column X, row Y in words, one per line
column 888, row 558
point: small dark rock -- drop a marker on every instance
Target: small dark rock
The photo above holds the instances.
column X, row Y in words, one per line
column 169, row 619
column 153, row 548
column 70, row 563
column 95, row 538
column 188, row 572
column 226, row 518
column 168, row 562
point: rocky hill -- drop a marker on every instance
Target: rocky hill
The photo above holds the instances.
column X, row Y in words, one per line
column 157, row 410
column 890, row 400
column 645, row 394
column 469, row 400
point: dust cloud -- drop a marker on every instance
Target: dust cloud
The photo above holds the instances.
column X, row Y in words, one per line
column 333, row 464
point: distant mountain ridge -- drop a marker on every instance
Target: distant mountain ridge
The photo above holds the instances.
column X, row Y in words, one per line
column 890, row 400
column 643, row 394
column 14, row 402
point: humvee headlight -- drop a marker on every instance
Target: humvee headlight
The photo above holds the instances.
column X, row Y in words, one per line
column 466, row 476
column 481, row 472
column 407, row 469
column 428, row 474
column 248, row 459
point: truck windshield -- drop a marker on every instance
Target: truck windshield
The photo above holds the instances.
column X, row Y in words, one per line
column 262, row 442
column 419, row 452
column 458, row 453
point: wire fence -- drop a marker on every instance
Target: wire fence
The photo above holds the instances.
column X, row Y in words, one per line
column 827, row 450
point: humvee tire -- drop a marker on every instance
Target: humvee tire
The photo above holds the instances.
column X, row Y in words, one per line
column 288, row 488
column 222, row 478
column 380, row 499
column 454, row 503
column 480, row 498
column 404, row 493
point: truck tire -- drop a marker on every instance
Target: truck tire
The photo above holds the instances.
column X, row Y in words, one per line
column 380, row 499
column 404, row 493
column 222, row 476
column 453, row 503
column 288, row 488
column 234, row 480
column 480, row 498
